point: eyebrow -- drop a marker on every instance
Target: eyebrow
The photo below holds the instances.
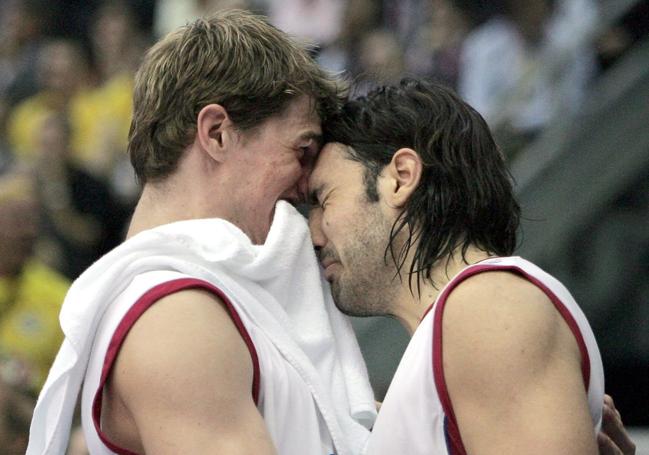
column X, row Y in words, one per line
column 317, row 137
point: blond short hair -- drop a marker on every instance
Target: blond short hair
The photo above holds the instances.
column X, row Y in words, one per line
column 232, row 58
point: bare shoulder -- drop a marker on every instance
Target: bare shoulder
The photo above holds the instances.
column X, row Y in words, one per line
column 509, row 357
column 181, row 341
column 184, row 375
column 500, row 286
column 499, row 319
column 500, row 298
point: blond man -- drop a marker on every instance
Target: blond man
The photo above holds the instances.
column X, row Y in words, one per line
column 209, row 330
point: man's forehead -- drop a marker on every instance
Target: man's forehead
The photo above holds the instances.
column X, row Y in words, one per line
column 326, row 157
column 328, row 164
column 304, row 111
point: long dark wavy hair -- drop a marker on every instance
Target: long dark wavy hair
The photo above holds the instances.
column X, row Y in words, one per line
column 465, row 196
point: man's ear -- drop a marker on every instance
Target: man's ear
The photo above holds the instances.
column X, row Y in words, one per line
column 214, row 131
column 401, row 177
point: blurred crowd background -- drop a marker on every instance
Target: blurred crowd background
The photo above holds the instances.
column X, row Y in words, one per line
column 564, row 84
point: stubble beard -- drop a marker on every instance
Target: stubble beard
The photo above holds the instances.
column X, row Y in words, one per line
column 367, row 285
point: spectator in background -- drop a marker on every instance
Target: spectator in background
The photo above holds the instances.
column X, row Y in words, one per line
column 358, row 17
column 406, row 17
column 434, row 51
column 63, row 87
column 98, row 113
column 31, row 293
column 380, row 60
column 20, row 41
column 315, row 21
column 116, row 47
column 116, row 43
column 15, row 413
column 79, row 219
column 621, row 36
column 521, row 67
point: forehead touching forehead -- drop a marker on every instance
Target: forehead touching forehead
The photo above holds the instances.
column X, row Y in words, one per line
column 324, row 165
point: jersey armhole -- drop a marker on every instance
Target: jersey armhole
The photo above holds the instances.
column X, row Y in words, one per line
column 452, row 433
column 133, row 314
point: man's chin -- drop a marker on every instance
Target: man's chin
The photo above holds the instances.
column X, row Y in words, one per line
column 350, row 305
column 338, row 298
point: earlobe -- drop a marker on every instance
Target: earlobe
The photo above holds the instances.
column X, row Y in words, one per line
column 212, row 129
column 404, row 174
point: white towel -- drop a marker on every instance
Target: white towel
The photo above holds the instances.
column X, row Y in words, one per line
column 300, row 318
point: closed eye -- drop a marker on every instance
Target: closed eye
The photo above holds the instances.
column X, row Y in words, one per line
column 313, row 201
column 322, row 201
column 314, row 196
column 308, row 150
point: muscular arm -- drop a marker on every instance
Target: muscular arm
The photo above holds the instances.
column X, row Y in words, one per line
column 513, row 370
column 184, row 375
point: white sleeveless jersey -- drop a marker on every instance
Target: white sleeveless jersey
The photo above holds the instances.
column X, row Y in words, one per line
column 417, row 414
column 282, row 397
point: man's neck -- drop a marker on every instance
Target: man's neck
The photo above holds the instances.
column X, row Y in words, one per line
column 183, row 195
column 150, row 213
column 197, row 189
column 410, row 307
column 191, row 191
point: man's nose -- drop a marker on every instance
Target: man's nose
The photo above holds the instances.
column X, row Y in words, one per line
column 315, row 226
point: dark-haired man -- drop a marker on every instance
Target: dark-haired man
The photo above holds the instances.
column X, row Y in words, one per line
column 414, row 217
